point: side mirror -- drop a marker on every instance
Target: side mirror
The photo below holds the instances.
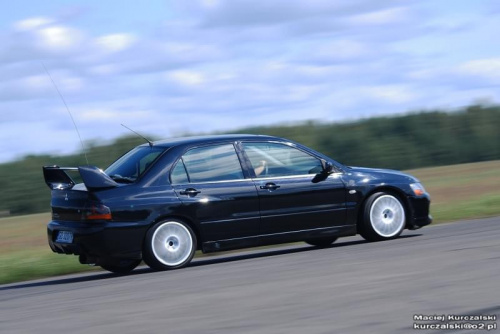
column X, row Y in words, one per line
column 327, row 166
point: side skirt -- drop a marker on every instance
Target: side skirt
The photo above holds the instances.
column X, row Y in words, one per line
column 278, row 238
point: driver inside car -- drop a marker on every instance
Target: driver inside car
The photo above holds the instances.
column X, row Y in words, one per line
column 261, row 168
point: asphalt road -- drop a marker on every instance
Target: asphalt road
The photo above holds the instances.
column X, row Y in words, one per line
column 352, row 287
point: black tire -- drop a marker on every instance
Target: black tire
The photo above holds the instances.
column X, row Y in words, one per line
column 169, row 244
column 383, row 217
column 120, row 266
column 321, row 242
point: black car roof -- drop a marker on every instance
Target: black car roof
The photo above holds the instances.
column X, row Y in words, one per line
column 207, row 139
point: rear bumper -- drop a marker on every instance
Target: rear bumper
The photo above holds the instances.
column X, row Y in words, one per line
column 99, row 239
column 419, row 211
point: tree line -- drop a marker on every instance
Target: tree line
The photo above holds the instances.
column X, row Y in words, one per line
column 419, row 139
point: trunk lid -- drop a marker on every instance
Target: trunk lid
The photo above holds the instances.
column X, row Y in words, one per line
column 78, row 202
column 70, row 204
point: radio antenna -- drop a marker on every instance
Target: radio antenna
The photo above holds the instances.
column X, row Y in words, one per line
column 69, row 112
column 137, row 133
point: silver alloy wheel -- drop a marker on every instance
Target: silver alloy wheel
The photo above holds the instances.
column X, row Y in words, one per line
column 387, row 216
column 172, row 243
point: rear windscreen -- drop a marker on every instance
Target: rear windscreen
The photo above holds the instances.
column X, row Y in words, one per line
column 133, row 164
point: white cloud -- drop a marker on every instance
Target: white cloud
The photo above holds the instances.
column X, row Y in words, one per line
column 188, row 78
column 39, row 36
column 59, row 37
column 115, row 42
column 423, row 74
column 385, row 16
column 485, row 68
column 32, row 23
column 98, row 115
column 394, row 94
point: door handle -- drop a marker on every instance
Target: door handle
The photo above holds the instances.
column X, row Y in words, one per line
column 270, row 186
column 190, row 192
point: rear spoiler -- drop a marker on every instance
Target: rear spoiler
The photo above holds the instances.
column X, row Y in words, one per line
column 93, row 178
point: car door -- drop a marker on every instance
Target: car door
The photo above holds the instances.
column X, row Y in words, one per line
column 210, row 183
column 291, row 196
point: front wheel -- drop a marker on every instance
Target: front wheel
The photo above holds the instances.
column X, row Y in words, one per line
column 321, row 242
column 384, row 217
column 120, row 266
column 169, row 245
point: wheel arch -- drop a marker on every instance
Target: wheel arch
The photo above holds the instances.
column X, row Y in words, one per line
column 400, row 194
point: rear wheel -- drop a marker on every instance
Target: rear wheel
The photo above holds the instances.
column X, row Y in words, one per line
column 169, row 245
column 384, row 217
column 120, row 266
column 321, row 242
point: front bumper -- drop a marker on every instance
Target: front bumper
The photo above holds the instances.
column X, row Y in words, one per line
column 419, row 211
column 99, row 239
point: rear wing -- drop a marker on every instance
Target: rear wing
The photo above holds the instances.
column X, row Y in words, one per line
column 93, row 178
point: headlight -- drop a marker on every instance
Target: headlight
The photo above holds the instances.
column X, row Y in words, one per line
column 418, row 189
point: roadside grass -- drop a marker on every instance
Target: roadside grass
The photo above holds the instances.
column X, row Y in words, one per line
column 464, row 191
column 36, row 263
column 25, row 254
column 485, row 206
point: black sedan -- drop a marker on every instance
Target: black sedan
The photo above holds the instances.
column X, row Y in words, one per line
column 162, row 201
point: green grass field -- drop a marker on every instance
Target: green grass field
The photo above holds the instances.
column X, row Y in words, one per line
column 458, row 192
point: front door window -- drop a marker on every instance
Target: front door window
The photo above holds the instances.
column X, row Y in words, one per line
column 275, row 160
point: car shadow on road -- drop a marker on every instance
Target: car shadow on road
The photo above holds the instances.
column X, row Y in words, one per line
column 267, row 252
column 225, row 257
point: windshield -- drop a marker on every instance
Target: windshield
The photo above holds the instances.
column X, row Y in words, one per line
column 129, row 167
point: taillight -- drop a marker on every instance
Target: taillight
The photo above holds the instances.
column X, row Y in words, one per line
column 97, row 212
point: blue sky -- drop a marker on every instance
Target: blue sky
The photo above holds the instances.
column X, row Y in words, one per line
column 166, row 68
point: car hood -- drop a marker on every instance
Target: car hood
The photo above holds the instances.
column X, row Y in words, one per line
column 377, row 173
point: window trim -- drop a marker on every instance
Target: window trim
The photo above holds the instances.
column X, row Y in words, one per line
column 183, row 166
